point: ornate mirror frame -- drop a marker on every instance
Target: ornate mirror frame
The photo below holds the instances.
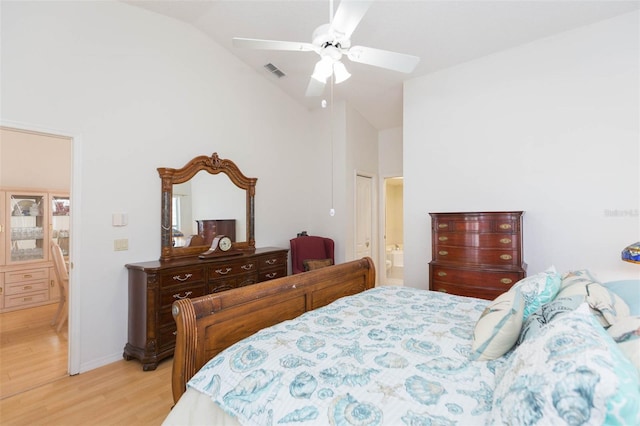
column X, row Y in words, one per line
column 213, row 165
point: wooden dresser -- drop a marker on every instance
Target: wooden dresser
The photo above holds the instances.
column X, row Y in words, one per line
column 477, row 254
column 154, row 286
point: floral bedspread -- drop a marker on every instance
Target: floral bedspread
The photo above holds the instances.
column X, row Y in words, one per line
column 390, row 355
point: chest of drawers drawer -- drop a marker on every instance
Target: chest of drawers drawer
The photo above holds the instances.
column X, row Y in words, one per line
column 232, row 268
column 26, row 287
column 478, row 278
column 26, row 275
column 26, row 299
column 501, row 241
column 171, row 294
column 479, row 256
column 183, row 276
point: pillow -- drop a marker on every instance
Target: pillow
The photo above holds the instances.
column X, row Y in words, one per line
column 629, row 291
column 626, row 333
column 547, row 313
column 498, row 327
column 311, row 264
column 605, row 304
column 570, row 373
column 538, row 289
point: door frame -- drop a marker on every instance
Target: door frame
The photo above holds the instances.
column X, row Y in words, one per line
column 374, row 214
column 73, row 298
column 383, row 224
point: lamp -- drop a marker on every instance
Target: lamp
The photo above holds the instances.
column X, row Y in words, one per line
column 340, row 72
column 631, row 253
column 323, row 69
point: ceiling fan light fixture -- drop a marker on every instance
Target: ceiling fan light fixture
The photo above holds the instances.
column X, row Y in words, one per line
column 323, row 70
column 340, row 72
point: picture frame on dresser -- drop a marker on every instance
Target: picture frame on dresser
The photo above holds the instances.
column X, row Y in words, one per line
column 477, row 254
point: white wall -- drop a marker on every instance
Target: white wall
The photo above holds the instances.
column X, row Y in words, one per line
column 140, row 91
column 551, row 128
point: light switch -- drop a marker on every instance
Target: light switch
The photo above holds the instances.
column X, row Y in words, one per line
column 121, row 244
column 119, row 219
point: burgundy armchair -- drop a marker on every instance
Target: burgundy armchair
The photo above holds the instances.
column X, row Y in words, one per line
column 309, row 248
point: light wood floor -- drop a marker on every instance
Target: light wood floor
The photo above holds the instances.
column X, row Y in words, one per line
column 116, row 394
column 31, row 352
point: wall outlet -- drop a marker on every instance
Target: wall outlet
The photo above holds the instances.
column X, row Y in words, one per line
column 121, row 244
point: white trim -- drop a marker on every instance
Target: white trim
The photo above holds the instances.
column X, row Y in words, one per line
column 73, row 358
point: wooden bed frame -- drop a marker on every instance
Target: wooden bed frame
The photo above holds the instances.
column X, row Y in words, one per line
column 211, row 323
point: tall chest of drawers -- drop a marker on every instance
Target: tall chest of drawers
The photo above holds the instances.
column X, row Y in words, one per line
column 154, row 286
column 476, row 254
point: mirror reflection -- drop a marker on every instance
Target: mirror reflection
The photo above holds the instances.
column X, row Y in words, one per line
column 207, row 198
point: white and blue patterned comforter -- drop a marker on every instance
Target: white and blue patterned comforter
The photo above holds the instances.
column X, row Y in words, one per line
column 390, row 355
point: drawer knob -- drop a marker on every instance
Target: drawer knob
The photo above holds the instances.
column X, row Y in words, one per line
column 27, row 287
column 271, row 275
column 505, row 226
column 506, row 281
column 442, row 274
column 506, row 257
column 181, row 278
column 270, row 261
column 186, row 295
column 443, row 225
column 223, row 272
column 505, row 240
column 27, row 276
column 247, row 267
column 443, row 252
column 443, row 238
column 27, row 299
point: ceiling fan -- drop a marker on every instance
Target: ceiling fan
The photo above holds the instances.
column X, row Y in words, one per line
column 333, row 40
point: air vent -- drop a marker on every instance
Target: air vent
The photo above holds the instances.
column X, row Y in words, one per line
column 274, row 70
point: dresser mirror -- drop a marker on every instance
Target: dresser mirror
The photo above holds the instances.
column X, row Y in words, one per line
column 205, row 189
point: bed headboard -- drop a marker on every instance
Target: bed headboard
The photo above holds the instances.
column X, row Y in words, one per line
column 208, row 324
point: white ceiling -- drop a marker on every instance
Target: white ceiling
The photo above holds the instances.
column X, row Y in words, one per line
column 442, row 33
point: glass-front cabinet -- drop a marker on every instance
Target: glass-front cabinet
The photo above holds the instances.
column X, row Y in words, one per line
column 27, row 229
column 60, row 221
column 29, row 220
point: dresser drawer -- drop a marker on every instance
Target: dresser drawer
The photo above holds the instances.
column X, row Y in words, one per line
column 26, row 299
column 272, row 261
column 170, row 295
column 235, row 281
column 469, row 291
column 26, row 287
column 477, row 256
column 478, row 278
column 181, row 276
column 232, row 268
column 511, row 242
column 26, row 275
column 271, row 274
column 478, row 224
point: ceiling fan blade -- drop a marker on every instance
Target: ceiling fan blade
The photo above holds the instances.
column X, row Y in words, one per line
column 383, row 58
column 253, row 43
column 315, row 88
column 349, row 15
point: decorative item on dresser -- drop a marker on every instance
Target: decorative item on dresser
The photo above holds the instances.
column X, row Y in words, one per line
column 222, row 259
column 476, row 254
column 155, row 285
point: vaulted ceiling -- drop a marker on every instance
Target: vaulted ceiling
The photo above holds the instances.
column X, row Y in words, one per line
column 442, row 33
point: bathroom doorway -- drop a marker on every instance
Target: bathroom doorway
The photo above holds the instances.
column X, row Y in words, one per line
column 393, row 231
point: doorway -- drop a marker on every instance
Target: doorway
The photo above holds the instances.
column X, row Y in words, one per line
column 364, row 216
column 33, row 351
column 393, row 193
